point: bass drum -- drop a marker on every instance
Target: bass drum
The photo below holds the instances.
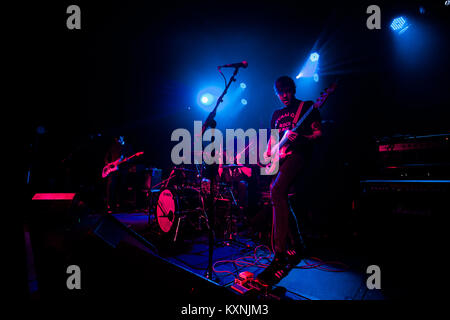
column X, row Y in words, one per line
column 173, row 205
column 166, row 210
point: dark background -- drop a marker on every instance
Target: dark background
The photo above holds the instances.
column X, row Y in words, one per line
column 135, row 68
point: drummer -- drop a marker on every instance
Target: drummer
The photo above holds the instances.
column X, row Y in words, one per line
column 228, row 168
column 235, row 175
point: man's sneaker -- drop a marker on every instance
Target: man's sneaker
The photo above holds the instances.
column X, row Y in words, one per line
column 275, row 271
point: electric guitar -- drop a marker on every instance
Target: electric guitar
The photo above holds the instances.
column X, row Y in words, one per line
column 279, row 150
column 114, row 166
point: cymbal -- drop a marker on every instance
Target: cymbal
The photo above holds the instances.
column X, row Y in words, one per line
column 233, row 166
column 183, row 169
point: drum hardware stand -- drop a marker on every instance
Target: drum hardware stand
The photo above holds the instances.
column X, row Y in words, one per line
column 150, row 204
column 231, row 238
column 210, row 217
column 210, row 122
column 178, row 226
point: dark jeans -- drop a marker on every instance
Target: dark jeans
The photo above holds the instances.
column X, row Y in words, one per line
column 111, row 190
column 285, row 226
column 116, row 185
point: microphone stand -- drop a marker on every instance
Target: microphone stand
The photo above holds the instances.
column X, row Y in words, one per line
column 210, row 122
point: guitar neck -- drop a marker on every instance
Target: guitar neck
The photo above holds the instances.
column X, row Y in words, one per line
column 126, row 159
column 320, row 101
column 318, row 104
column 284, row 140
column 130, row 157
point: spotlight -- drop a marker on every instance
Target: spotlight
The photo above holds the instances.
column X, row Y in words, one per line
column 243, row 85
column 314, row 56
column 316, row 77
column 309, row 67
column 399, row 25
column 299, row 75
column 244, row 102
column 207, row 99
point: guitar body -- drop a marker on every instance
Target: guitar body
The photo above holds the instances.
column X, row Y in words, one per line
column 279, row 154
column 110, row 167
column 114, row 166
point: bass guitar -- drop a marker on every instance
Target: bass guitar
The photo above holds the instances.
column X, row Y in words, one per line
column 279, row 150
column 114, row 166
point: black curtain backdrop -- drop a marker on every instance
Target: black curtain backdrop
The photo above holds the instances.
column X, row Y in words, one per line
column 135, row 68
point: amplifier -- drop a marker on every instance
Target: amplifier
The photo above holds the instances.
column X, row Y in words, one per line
column 409, row 146
column 427, row 149
column 416, row 197
column 395, row 186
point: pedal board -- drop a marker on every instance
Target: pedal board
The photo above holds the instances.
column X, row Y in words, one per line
column 261, row 288
column 245, row 283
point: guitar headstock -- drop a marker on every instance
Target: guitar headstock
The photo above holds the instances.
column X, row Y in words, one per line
column 324, row 95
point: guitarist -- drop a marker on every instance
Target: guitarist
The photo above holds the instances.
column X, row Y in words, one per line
column 287, row 242
column 116, row 181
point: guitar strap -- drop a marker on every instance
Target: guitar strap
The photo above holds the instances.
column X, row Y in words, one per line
column 297, row 115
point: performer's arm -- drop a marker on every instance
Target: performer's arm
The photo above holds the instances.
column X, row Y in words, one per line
column 316, row 131
column 267, row 153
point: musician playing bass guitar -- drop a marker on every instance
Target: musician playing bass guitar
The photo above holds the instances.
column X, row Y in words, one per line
column 116, row 181
column 287, row 241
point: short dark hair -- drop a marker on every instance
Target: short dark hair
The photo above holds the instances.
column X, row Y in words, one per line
column 283, row 84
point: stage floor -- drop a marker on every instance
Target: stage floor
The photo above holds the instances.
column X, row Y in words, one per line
column 339, row 276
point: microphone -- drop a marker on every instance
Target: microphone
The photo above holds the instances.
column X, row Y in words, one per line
column 242, row 64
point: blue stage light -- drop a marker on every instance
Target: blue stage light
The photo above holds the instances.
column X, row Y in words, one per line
column 316, row 77
column 314, row 56
column 399, row 25
column 207, row 99
column 244, row 101
column 309, row 67
column 243, row 85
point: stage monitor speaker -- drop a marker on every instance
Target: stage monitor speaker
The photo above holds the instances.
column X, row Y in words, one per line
column 49, row 222
column 113, row 232
column 54, row 209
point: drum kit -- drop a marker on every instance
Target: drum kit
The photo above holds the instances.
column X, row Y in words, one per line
column 181, row 200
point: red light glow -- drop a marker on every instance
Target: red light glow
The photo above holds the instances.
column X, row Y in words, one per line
column 54, row 196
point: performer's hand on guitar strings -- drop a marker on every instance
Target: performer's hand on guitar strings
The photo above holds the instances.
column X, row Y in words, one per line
column 291, row 135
